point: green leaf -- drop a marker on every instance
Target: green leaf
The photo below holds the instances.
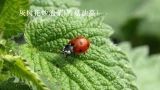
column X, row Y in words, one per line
column 1, row 65
column 11, row 22
column 51, row 34
column 1, row 4
column 104, row 66
column 55, row 3
column 2, row 45
column 19, row 67
column 146, row 67
column 12, row 85
column 3, row 74
column 50, row 7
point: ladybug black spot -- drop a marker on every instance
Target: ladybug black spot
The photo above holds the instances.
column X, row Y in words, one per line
column 80, row 43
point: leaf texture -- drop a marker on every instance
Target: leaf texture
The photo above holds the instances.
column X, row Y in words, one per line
column 13, row 85
column 103, row 67
column 50, row 7
column 11, row 21
column 19, row 67
column 55, row 3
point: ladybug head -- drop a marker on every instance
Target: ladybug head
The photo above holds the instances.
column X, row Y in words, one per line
column 68, row 49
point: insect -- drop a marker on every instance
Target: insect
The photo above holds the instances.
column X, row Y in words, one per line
column 77, row 45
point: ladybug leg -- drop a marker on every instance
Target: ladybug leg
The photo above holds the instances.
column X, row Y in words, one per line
column 66, row 55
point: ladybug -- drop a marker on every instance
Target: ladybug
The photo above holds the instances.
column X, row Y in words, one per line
column 77, row 45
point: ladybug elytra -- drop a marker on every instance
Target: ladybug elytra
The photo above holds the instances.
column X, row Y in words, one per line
column 77, row 45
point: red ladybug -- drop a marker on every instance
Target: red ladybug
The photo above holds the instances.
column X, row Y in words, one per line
column 77, row 45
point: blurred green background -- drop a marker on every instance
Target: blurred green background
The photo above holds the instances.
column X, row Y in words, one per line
column 136, row 21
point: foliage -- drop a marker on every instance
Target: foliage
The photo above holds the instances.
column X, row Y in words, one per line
column 10, row 84
column 39, row 64
column 94, row 67
column 11, row 22
column 146, row 67
column 30, row 46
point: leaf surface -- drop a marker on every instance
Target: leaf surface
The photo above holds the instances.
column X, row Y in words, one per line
column 12, row 21
column 104, row 66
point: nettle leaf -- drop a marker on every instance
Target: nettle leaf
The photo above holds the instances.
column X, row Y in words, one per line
column 3, row 74
column 18, row 66
column 11, row 22
column 12, row 66
column 104, row 66
column 59, row 30
column 146, row 67
column 50, row 7
column 10, row 84
column 2, row 45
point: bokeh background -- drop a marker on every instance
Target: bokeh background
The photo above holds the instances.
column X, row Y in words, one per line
column 136, row 21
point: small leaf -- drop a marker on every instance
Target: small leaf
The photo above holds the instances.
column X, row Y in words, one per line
column 12, row 85
column 19, row 67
